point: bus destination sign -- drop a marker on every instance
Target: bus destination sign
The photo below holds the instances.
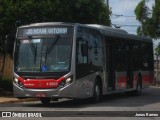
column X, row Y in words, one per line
column 44, row 31
column 36, row 31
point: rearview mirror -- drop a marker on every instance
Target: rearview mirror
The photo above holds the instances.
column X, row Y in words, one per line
column 84, row 49
column 83, row 45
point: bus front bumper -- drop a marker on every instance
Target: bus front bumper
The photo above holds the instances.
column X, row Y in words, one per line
column 65, row 92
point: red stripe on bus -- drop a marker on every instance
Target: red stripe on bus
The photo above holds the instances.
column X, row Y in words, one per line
column 41, row 83
column 135, row 78
column 147, row 79
column 122, row 81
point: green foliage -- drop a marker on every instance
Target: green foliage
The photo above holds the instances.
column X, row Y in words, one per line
column 14, row 14
column 156, row 18
column 157, row 50
column 150, row 20
column 139, row 31
column 141, row 11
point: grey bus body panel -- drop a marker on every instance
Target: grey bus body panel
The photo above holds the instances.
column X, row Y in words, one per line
column 80, row 88
column 67, row 91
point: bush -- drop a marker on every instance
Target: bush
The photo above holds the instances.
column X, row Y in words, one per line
column 6, row 84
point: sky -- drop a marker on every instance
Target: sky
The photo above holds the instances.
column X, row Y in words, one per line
column 126, row 8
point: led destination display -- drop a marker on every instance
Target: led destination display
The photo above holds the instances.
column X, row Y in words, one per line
column 44, row 31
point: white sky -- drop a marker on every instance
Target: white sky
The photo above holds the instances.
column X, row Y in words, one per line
column 126, row 8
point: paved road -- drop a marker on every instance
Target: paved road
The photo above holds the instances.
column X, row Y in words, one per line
column 119, row 104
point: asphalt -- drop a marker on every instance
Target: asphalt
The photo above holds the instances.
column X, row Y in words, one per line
column 7, row 97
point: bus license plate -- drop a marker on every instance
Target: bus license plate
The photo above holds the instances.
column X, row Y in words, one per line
column 40, row 94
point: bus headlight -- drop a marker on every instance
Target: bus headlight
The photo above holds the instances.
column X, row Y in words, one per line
column 66, row 82
column 17, row 82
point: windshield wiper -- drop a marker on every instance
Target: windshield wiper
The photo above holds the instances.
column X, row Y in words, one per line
column 48, row 50
column 52, row 44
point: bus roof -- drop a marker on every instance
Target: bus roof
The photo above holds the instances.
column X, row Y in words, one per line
column 108, row 31
column 114, row 32
column 107, row 28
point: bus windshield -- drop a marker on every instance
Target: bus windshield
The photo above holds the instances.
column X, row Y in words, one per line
column 43, row 55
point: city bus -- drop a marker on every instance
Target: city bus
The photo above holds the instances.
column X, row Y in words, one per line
column 56, row 60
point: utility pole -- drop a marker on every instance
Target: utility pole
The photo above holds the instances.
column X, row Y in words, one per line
column 107, row 4
column 107, row 1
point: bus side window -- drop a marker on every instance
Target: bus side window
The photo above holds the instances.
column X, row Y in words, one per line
column 147, row 56
column 136, row 57
column 120, row 56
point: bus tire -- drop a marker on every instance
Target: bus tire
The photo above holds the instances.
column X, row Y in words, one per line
column 96, row 92
column 45, row 101
column 138, row 90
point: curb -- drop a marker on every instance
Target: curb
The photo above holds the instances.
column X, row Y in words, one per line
column 20, row 100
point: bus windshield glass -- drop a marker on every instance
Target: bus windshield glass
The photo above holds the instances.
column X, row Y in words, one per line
column 43, row 54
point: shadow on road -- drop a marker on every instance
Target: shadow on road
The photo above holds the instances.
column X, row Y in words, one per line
column 149, row 96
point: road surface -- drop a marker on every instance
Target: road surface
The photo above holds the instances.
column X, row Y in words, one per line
column 112, row 107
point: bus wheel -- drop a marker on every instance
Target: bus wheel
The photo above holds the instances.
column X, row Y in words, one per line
column 96, row 93
column 45, row 101
column 138, row 90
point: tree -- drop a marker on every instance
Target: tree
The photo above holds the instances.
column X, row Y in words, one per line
column 157, row 50
column 156, row 18
column 150, row 20
column 156, row 24
column 14, row 13
column 141, row 12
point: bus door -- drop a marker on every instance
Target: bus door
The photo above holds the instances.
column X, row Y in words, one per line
column 129, row 66
column 111, row 65
column 120, row 65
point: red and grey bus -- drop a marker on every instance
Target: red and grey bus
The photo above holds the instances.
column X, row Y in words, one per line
column 71, row 60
